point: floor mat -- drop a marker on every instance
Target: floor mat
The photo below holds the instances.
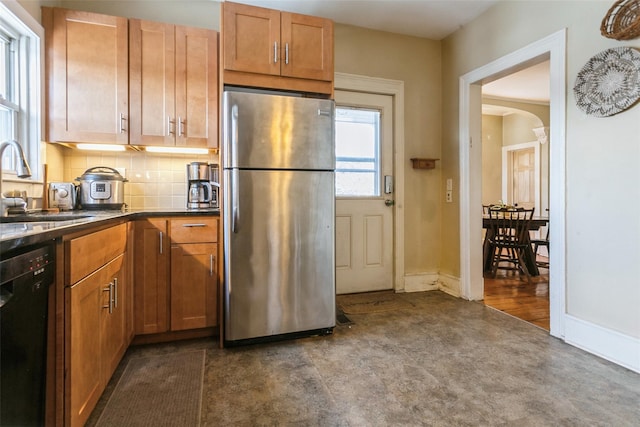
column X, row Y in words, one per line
column 171, row 384
column 371, row 302
column 342, row 318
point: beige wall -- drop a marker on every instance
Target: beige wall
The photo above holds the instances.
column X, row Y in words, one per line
column 518, row 129
column 416, row 62
column 492, row 129
column 602, row 158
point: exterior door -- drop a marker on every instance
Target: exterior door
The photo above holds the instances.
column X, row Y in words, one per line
column 364, row 204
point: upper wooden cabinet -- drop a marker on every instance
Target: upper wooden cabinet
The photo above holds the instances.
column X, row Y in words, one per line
column 267, row 48
column 87, row 76
column 113, row 80
column 173, row 79
column 307, row 46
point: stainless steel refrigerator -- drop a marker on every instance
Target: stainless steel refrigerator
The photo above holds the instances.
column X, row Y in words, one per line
column 279, row 212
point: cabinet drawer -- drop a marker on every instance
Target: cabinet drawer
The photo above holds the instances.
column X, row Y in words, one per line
column 194, row 230
column 90, row 252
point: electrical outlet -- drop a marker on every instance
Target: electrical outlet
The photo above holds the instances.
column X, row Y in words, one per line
column 449, row 196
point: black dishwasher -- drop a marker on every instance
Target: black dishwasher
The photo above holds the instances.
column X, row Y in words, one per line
column 26, row 277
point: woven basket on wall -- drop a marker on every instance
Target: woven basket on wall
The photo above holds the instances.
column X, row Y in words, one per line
column 622, row 21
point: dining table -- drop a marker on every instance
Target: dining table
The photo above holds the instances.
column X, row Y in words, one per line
column 529, row 257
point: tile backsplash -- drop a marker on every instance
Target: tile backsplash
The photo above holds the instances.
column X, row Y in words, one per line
column 154, row 181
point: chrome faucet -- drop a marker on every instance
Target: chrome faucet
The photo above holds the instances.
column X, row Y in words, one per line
column 23, row 169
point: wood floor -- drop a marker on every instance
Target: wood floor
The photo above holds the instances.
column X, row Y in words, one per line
column 512, row 294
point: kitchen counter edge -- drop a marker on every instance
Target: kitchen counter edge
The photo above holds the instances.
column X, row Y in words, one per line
column 98, row 219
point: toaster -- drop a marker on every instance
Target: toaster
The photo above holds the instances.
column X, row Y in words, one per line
column 62, row 195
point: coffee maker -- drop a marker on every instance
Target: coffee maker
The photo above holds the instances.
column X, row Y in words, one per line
column 199, row 188
column 215, row 185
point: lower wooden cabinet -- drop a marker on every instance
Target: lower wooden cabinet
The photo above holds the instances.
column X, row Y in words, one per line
column 151, row 276
column 97, row 317
column 84, row 373
column 194, row 289
column 167, row 266
column 176, row 274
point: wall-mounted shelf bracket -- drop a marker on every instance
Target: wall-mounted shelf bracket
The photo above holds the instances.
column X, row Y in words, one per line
column 419, row 163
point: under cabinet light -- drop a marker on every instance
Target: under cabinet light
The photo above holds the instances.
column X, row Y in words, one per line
column 101, row 147
column 177, row 150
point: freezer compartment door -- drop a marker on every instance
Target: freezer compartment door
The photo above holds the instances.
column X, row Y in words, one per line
column 279, row 252
column 263, row 131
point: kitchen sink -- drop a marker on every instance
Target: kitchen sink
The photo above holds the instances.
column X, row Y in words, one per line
column 41, row 217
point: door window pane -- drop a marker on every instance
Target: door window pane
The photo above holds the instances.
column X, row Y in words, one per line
column 357, row 152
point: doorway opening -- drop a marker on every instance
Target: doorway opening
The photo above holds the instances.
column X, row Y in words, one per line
column 512, row 174
column 471, row 256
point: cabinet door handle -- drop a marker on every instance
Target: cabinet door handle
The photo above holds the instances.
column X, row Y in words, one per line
column 110, row 305
column 115, row 292
column 180, row 126
column 169, row 121
column 211, row 259
column 123, row 119
column 194, row 225
column 286, row 53
column 275, row 52
column 161, row 243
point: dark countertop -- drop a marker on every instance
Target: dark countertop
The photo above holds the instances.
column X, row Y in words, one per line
column 15, row 235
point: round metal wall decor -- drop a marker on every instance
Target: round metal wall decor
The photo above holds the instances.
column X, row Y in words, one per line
column 609, row 82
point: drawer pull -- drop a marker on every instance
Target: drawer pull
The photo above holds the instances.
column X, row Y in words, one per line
column 194, row 225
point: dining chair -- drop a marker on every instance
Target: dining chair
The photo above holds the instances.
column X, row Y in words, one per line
column 536, row 243
column 509, row 239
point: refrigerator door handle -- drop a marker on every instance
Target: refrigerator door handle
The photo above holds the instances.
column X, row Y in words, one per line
column 234, row 135
column 235, row 207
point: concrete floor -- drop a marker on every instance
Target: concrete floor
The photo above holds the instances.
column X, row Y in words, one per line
column 436, row 360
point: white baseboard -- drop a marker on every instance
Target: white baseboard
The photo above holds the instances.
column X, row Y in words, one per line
column 611, row 345
column 449, row 284
column 421, row 282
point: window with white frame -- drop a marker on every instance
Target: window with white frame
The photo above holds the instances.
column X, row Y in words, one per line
column 20, row 84
column 357, row 152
